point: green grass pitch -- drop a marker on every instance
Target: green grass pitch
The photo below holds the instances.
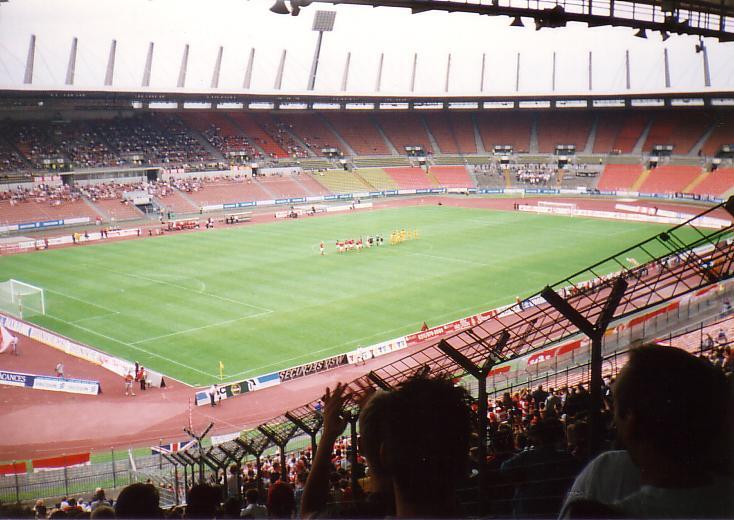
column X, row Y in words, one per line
column 260, row 298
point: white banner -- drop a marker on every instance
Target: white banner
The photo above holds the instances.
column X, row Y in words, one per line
column 73, row 386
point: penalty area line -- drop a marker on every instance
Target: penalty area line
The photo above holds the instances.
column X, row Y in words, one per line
column 64, row 295
column 196, row 329
column 96, row 317
column 202, row 293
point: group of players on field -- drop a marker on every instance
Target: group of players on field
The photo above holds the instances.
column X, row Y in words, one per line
column 357, row 245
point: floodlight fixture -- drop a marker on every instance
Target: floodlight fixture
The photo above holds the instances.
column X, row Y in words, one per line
column 642, row 33
column 323, row 21
column 665, row 35
column 279, row 7
column 517, row 22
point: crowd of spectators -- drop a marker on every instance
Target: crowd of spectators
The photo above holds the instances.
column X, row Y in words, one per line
column 36, row 141
column 491, row 168
column 146, row 139
column 41, row 193
column 10, row 161
column 83, row 146
column 534, row 174
column 158, row 138
column 281, row 134
column 229, row 144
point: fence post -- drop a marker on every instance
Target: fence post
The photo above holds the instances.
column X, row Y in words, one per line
column 66, row 478
column 17, row 484
column 176, row 483
column 114, row 470
column 700, row 340
column 160, row 454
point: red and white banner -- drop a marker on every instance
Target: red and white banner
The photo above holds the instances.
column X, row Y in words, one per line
column 16, row 468
column 454, row 326
column 65, row 461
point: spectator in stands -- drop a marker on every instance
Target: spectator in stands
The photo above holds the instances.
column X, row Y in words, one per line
column 99, row 499
column 138, row 501
column 609, row 477
column 281, row 499
column 231, row 508
column 553, row 404
column 673, row 413
column 103, row 512
column 707, row 343
column 728, row 365
column 40, row 509
column 416, row 442
column 539, row 397
column 253, row 508
column 541, row 475
column 203, row 501
column 233, row 488
column 721, row 339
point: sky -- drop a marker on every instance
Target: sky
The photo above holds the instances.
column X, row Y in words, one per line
column 365, row 32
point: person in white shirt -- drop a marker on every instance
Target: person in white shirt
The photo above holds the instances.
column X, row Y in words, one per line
column 672, row 414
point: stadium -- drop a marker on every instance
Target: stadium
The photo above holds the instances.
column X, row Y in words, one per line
column 468, row 220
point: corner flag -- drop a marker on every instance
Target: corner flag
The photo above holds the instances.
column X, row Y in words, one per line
column 221, row 370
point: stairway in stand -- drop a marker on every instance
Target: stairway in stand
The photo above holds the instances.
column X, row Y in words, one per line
column 433, row 178
column 698, row 180
column 508, row 178
column 640, row 180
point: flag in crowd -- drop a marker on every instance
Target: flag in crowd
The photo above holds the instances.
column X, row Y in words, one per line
column 171, row 448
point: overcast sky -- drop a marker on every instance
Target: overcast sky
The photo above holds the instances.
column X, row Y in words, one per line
column 239, row 25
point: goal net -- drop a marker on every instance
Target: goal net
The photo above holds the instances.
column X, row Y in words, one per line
column 561, row 208
column 21, row 299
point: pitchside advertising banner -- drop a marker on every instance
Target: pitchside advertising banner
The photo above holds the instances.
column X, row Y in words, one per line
column 313, row 368
column 54, row 384
column 118, row 366
column 230, row 390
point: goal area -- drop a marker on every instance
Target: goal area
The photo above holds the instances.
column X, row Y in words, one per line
column 21, row 299
column 561, row 208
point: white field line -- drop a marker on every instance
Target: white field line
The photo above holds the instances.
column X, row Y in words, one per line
column 96, row 317
column 184, row 288
column 215, row 296
column 132, row 346
column 195, row 329
column 80, row 300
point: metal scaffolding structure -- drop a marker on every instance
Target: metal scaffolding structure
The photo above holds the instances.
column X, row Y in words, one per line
column 696, row 17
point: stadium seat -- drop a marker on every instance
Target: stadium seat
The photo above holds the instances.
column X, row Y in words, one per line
column 616, row 177
column 410, row 178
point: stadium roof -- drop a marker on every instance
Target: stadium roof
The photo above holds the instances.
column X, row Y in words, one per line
column 696, row 17
column 169, row 46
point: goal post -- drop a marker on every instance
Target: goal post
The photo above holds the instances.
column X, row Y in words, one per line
column 561, row 208
column 21, row 299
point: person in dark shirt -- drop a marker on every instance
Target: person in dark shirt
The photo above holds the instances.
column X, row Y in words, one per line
column 542, row 474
